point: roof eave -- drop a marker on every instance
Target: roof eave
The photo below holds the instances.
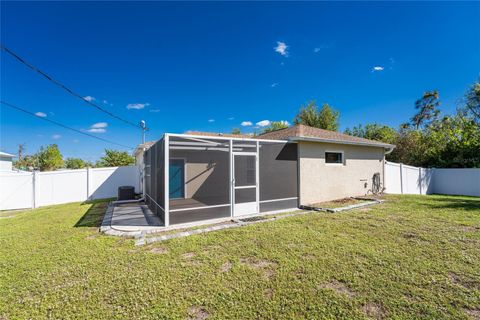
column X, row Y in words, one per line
column 366, row 144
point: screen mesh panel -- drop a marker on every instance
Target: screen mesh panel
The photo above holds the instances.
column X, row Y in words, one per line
column 206, row 213
column 245, row 170
column 278, row 175
column 199, row 176
column 154, row 178
column 244, row 146
column 245, row 195
column 278, row 205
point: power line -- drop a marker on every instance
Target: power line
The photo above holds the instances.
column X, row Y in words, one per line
column 61, row 125
column 59, row 84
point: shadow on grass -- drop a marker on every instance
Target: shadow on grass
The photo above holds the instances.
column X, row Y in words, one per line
column 94, row 215
column 454, row 202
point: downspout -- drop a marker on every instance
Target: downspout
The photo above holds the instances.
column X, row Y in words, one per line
column 390, row 150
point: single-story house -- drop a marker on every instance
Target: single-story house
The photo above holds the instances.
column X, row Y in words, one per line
column 6, row 161
column 200, row 176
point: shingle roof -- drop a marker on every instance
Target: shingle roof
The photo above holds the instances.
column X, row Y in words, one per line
column 303, row 132
column 215, row 134
column 144, row 146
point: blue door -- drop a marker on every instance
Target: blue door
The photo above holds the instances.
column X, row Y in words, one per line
column 177, row 178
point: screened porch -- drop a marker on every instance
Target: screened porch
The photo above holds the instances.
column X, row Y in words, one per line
column 190, row 179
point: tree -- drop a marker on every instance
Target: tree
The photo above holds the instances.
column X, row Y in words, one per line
column 472, row 101
column 453, row 142
column 326, row 118
column 374, row 131
column 114, row 158
column 28, row 162
column 276, row 125
column 236, row 131
column 427, row 107
column 50, row 158
column 75, row 163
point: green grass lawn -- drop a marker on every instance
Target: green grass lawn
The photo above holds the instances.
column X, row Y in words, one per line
column 410, row 257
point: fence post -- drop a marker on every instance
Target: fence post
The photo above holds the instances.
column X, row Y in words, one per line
column 88, row 182
column 34, row 189
column 420, row 179
column 401, row 178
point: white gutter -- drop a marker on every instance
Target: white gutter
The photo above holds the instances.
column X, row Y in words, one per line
column 383, row 145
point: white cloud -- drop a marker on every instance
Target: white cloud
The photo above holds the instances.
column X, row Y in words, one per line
column 285, row 122
column 137, row 106
column 56, row 136
column 273, row 85
column 97, row 130
column 263, row 123
column 211, row 120
column 377, row 68
column 155, row 110
column 89, row 98
column 99, row 127
column 281, row 48
column 246, row 123
column 40, row 114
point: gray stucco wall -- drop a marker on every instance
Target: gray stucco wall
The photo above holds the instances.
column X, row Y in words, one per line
column 323, row 182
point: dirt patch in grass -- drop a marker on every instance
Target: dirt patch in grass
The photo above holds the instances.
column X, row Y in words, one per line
column 473, row 313
column 266, row 266
column 197, row 313
column 469, row 228
column 268, row 293
column 462, row 281
column 226, row 266
column 338, row 287
column 374, row 311
column 159, row 250
column 413, row 236
column 188, row 255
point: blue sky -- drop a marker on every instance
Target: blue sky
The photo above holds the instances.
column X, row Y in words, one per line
column 212, row 66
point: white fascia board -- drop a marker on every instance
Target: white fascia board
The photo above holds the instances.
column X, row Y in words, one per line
column 311, row 139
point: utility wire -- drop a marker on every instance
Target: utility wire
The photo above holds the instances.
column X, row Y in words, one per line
column 58, row 83
column 61, row 125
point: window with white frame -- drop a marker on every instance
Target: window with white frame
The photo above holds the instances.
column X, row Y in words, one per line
column 333, row 157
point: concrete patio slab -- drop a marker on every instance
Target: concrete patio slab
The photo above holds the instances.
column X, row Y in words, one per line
column 131, row 219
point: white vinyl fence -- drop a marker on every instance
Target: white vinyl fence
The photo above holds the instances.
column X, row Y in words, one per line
column 403, row 179
column 20, row 190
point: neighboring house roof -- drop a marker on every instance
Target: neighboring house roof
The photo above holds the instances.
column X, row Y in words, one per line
column 218, row 134
column 6, row 155
column 305, row 133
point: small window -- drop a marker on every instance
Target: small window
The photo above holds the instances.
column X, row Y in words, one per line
column 334, row 157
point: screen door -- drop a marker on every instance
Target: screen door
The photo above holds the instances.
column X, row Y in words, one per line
column 245, row 183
